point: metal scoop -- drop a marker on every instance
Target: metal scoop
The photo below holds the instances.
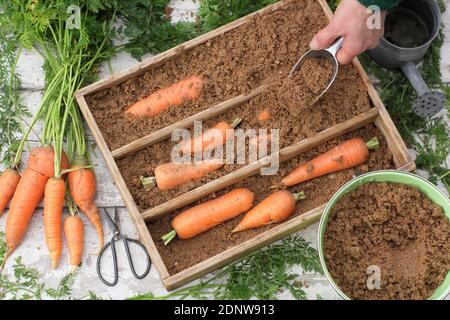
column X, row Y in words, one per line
column 428, row 102
column 329, row 53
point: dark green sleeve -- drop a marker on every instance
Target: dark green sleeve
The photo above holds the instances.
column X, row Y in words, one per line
column 383, row 4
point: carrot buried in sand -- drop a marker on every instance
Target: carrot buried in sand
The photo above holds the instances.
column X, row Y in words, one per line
column 211, row 138
column 161, row 100
column 346, row 155
column 171, row 175
column 275, row 208
column 264, row 115
column 8, row 183
column 207, row 215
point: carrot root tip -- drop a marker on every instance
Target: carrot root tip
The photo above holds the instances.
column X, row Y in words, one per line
column 237, row 229
column 373, row 144
column 168, row 237
column 236, row 122
column 299, row 196
column 147, row 182
column 73, row 269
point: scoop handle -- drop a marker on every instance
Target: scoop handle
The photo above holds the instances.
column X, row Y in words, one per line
column 336, row 46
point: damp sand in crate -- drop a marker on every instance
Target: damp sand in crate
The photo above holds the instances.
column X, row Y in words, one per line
column 286, row 101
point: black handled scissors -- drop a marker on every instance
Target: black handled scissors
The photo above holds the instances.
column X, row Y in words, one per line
column 117, row 237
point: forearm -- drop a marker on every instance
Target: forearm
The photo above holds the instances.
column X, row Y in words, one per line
column 383, row 4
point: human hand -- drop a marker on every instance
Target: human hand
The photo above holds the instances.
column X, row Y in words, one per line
column 349, row 21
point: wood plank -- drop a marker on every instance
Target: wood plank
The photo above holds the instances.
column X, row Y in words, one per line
column 29, row 70
column 445, row 59
column 165, row 132
column 120, row 183
column 253, row 168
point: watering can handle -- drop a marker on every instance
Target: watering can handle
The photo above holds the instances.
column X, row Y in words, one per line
column 414, row 77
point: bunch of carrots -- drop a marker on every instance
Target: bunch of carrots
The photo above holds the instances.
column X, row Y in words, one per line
column 278, row 206
column 58, row 177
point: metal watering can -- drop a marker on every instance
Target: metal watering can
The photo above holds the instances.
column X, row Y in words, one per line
column 427, row 16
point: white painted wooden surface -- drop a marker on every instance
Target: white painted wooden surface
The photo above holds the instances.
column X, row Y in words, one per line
column 34, row 251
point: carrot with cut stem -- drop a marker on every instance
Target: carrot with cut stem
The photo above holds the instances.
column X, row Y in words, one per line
column 171, row 175
column 161, row 100
column 207, row 215
column 211, row 138
column 346, row 155
column 275, row 208
column 74, row 232
column 42, row 160
column 8, row 183
column 83, row 187
column 55, row 190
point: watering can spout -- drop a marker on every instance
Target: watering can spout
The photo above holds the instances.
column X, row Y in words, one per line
column 414, row 77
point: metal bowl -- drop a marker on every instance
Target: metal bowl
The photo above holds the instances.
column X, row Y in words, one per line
column 393, row 176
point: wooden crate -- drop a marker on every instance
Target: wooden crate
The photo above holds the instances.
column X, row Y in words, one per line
column 377, row 115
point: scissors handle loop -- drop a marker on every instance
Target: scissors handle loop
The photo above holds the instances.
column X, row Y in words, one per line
column 112, row 244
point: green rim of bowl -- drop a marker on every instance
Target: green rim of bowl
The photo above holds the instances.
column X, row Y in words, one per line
column 392, row 176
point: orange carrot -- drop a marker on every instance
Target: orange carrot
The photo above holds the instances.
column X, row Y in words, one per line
column 82, row 187
column 8, row 183
column 28, row 194
column 161, row 100
column 211, row 138
column 275, row 208
column 207, row 215
column 42, row 161
column 53, row 208
column 74, row 231
column 171, row 175
column 264, row 115
column 346, row 155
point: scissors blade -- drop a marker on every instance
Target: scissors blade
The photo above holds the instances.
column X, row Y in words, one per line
column 116, row 220
column 112, row 218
